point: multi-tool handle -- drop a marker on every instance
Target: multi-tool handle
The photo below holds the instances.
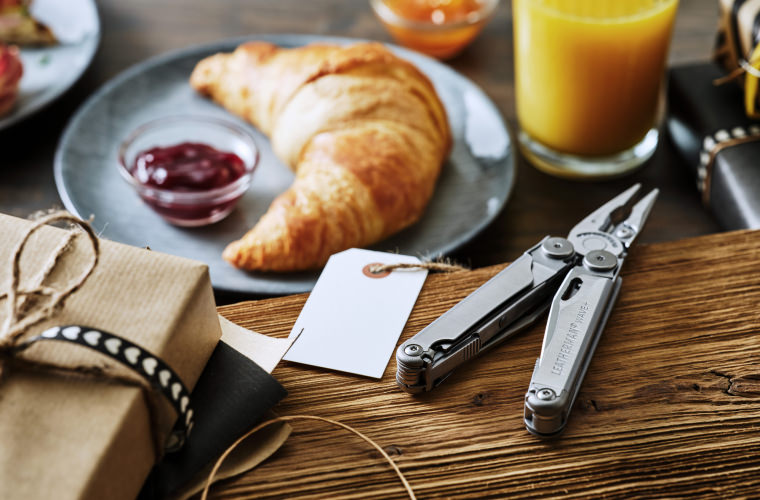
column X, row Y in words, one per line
column 507, row 303
column 577, row 317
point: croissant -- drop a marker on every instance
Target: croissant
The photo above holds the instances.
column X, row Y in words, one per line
column 363, row 130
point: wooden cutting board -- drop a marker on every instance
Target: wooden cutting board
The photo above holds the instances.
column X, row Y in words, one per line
column 670, row 405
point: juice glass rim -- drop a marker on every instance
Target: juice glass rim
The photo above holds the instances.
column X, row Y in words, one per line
column 651, row 11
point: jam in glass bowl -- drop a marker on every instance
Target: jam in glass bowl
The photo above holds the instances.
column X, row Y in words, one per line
column 191, row 170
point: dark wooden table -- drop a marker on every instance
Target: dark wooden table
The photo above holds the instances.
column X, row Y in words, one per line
column 539, row 205
column 669, row 407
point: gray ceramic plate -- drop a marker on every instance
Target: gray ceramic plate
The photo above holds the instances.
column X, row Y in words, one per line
column 473, row 187
column 50, row 71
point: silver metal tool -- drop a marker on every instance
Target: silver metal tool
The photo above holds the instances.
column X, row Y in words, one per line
column 580, row 271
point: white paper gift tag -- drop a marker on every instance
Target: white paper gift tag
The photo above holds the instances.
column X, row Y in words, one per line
column 353, row 319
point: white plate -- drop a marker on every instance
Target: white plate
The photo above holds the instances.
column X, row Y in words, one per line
column 50, row 71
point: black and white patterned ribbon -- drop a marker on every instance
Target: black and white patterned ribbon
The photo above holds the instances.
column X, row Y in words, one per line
column 712, row 144
column 147, row 365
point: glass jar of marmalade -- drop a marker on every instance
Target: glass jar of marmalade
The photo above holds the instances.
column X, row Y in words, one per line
column 439, row 28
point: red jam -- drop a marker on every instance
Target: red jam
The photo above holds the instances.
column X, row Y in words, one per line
column 190, row 166
column 189, row 169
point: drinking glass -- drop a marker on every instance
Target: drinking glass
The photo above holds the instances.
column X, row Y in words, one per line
column 589, row 78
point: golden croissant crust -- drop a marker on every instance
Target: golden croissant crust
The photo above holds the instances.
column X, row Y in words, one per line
column 363, row 130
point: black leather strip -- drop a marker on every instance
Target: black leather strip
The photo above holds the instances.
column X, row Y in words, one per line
column 231, row 396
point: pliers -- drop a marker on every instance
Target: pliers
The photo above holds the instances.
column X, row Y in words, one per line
column 581, row 271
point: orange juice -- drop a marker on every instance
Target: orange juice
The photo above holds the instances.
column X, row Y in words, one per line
column 589, row 72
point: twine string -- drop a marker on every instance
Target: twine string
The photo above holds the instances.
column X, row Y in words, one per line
column 749, row 67
column 444, row 267
column 18, row 321
column 730, row 77
column 290, row 418
column 746, row 65
column 27, row 299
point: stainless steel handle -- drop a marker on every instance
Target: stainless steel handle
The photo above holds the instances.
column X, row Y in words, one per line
column 577, row 317
column 506, row 303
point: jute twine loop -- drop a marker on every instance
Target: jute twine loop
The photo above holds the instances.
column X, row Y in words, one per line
column 746, row 64
column 746, row 67
column 290, row 418
column 19, row 320
column 444, row 267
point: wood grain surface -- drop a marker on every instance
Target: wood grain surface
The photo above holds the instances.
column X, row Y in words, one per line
column 670, row 406
column 138, row 29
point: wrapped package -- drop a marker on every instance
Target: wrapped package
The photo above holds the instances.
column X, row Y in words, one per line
column 66, row 436
column 719, row 144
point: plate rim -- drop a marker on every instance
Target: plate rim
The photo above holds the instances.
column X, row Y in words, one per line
column 26, row 113
column 295, row 40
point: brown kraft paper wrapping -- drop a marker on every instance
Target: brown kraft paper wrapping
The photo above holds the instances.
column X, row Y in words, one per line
column 64, row 437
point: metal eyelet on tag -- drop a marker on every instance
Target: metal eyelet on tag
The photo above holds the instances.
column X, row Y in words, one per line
column 367, row 270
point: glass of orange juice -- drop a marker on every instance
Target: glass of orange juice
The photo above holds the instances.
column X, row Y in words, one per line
column 589, row 77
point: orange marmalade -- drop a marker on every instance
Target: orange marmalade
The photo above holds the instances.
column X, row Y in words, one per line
column 440, row 28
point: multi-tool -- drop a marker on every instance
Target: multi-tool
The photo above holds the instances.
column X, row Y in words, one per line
column 582, row 271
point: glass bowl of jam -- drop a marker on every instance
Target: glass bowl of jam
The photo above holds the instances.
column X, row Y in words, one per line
column 438, row 28
column 191, row 170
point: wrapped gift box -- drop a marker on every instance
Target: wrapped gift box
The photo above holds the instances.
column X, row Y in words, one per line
column 719, row 144
column 65, row 437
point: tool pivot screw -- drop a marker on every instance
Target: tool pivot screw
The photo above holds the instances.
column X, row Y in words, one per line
column 600, row 260
column 624, row 232
column 557, row 248
column 413, row 350
column 545, row 394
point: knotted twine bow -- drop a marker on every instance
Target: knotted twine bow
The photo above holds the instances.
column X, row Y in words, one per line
column 18, row 321
column 19, row 318
column 750, row 68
